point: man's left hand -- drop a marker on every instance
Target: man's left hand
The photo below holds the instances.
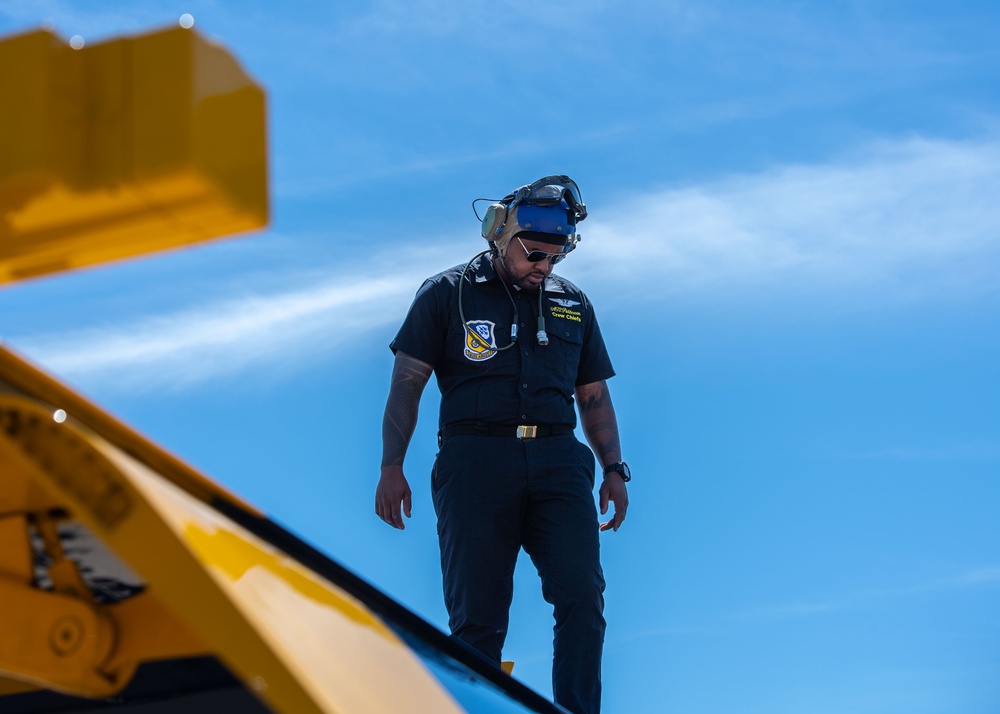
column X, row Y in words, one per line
column 613, row 490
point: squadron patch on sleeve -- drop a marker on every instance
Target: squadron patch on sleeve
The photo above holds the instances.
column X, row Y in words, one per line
column 480, row 341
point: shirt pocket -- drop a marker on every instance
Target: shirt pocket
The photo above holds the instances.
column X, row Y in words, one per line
column 565, row 347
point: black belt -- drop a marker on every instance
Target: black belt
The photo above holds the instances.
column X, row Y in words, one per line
column 519, row 431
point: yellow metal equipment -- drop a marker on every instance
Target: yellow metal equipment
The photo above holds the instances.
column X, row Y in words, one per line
column 217, row 579
column 127, row 578
column 271, row 618
column 123, row 148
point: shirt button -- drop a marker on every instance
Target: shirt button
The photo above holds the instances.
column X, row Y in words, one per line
column 525, row 385
column 526, row 353
column 522, row 324
column 524, row 416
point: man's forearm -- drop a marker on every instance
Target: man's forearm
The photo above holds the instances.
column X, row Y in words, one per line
column 409, row 376
column 600, row 425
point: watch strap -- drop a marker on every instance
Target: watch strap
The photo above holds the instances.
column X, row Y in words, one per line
column 621, row 468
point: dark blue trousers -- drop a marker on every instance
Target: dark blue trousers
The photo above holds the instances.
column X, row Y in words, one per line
column 495, row 495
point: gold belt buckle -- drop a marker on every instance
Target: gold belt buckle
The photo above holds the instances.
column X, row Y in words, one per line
column 527, row 432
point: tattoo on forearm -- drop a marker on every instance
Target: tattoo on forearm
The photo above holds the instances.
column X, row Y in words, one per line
column 594, row 399
column 600, row 425
column 409, row 377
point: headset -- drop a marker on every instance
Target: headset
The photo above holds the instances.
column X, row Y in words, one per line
column 537, row 214
column 537, row 199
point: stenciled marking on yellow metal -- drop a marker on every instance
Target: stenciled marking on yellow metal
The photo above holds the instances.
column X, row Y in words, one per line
column 87, row 475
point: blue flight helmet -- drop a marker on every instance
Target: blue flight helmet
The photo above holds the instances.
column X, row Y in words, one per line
column 546, row 211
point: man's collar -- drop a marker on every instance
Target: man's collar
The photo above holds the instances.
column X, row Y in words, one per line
column 483, row 270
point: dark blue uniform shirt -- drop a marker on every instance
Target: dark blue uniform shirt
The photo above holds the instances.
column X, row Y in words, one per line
column 526, row 384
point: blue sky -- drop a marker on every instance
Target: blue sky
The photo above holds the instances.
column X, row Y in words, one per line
column 793, row 249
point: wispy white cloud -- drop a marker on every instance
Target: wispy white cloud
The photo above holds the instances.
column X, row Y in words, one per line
column 286, row 327
column 907, row 220
column 911, row 220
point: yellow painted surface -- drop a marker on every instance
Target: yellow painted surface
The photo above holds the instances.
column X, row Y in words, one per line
column 13, row 686
column 295, row 639
column 124, row 148
column 16, row 562
column 146, row 630
column 56, row 640
column 340, row 651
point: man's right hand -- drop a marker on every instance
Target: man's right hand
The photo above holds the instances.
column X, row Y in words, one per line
column 392, row 497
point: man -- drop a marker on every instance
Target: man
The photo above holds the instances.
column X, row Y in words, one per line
column 509, row 473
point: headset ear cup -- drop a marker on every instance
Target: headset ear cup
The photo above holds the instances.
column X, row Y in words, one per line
column 493, row 221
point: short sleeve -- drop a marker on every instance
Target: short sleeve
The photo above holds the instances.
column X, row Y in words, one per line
column 422, row 334
column 595, row 362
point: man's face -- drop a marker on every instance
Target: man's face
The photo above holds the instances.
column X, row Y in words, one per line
column 522, row 272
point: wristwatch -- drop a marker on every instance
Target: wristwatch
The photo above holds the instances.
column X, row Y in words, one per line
column 622, row 468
